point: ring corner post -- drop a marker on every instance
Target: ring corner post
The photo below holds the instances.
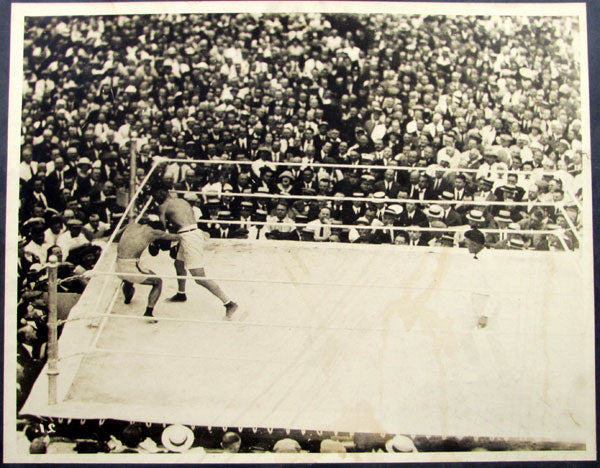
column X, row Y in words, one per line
column 132, row 176
column 52, row 349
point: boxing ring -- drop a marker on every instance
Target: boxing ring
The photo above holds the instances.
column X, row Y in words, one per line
column 338, row 337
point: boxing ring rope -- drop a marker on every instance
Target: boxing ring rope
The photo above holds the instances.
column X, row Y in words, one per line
column 361, row 199
column 375, row 200
column 161, row 160
column 93, row 348
column 52, row 346
column 53, row 323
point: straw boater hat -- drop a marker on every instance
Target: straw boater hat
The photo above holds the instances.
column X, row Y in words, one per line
column 475, row 216
column 447, row 195
column 503, row 215
column 435, row 211
column 516, row 243
column 177, row 438
column 395, row 208
column 400, row 444
column 378, row 198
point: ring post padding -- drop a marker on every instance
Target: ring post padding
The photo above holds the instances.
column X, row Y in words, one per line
column 52, row 348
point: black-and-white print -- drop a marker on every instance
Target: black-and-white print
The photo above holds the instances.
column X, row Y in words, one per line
column 262, row 233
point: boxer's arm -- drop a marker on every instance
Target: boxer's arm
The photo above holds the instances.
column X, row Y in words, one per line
column 161, row 240
column 163, row 235
column 162, row 214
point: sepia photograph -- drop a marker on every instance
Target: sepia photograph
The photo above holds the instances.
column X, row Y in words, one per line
column 298, row 232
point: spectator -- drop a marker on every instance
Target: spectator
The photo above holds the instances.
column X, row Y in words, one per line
column 177, row 438
column 281, row 226
column 286, row 446
column 231, row 442
column 332, row 446
column 401, row 444
column 320, row 227
column 283, row 89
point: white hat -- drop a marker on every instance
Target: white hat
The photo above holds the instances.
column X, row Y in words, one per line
column 475, row 215
column 286, row 446
column 400, row 444
column 435, row 211
column 332, row 446
column 379, row 197
column 396, row 209
column 177, row 438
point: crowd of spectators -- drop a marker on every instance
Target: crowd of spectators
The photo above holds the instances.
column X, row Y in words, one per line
column 119, row 437
column 449, row 113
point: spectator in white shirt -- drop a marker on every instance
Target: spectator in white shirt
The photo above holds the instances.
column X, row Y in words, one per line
column 280, row 226
column 320, row 226
column 27, row 168
column 72, row 238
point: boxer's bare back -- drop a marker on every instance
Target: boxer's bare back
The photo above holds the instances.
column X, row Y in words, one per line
column 136, row 237
column 178, row 211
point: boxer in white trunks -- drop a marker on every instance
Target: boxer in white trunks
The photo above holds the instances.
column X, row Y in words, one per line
column 134, row 240
column 190, row 255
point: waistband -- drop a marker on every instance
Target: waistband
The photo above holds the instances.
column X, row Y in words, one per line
column 184, row 229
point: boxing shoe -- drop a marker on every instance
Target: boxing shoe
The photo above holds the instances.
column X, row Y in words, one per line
column 230, row 309
column 179, row 297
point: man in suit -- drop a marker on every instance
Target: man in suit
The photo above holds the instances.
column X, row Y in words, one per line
column 423, row 190
column 353, row 210
column 243, row 183
column 189, row 182
column 36, row 196
column 417, row 238
column 412, row 215
column 245, row 230
column 223, row 230
column 451, row 216
column 462, row 193
column 349, row 184
column 484, row 190
column 306, row 182
column 387, row 235
column 439, row 183
column 55, row 179
column 413, row 186
column 388, row 185
column 511, row 190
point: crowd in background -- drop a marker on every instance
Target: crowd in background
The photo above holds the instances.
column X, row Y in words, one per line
column 120, row 437
column 448, row 113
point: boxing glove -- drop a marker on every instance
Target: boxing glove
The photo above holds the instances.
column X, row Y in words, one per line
column 154, row 248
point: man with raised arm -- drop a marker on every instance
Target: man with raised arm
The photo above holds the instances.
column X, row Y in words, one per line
column 134, row 240
column 190, row 254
